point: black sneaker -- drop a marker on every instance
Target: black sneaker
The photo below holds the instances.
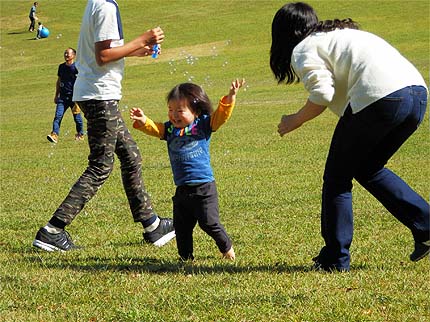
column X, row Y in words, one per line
column 164, row 233
column 421, row 250
column 54, row 242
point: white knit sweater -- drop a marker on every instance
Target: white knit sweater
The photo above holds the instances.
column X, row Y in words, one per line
column 351, row 66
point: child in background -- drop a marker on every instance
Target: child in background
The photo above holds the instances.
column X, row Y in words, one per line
column 32, row 16
column 188, row 133
column 39, row 29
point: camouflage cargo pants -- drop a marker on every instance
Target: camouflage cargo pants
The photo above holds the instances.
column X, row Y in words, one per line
column 107, row 136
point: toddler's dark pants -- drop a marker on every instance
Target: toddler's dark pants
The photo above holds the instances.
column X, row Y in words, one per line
column 197, row 204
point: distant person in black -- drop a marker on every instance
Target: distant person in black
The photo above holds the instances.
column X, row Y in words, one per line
column 32, row 16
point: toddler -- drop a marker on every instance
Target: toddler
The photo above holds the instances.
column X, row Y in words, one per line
column 188, row 132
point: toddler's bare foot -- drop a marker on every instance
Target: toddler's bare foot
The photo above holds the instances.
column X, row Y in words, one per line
column 229, row 255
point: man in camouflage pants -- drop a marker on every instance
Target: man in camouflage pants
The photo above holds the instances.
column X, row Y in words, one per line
column 101, row 52
column 108, row 135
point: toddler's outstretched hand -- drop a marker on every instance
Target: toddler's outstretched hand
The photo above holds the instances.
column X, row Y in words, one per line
column 234, row 88
column 138, row 117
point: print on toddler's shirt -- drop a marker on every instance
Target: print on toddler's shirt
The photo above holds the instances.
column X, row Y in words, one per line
column 184, row 148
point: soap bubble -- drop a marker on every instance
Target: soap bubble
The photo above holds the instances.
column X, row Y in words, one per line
column 207, row 81
column 214, row 52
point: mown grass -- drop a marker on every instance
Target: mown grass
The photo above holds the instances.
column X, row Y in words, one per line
column 269, row 187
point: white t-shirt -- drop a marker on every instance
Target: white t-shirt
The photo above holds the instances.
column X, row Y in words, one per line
column 351, row 66
column 101, row 21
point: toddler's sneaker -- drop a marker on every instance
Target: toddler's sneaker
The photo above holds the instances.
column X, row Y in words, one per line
column 53, row 137
column 229, row 254
column 164, row 233
column 421, row 250
column 54, row 242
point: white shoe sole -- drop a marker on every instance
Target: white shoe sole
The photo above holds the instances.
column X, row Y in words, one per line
column 45, row 246
column 165, row 239
column 51, row 139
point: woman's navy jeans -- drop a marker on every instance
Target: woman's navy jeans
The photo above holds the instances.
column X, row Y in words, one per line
column 361, row 146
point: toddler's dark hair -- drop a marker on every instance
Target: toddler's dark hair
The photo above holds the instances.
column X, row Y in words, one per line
column 196, row 97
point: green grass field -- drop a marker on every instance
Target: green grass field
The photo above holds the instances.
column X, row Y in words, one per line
column 269, row 186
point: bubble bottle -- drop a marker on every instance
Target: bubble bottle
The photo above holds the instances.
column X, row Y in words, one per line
column 155, row 49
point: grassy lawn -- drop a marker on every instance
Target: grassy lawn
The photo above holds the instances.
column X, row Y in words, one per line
column 269, row 187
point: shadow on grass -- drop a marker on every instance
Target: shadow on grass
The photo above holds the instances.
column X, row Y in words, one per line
column 155, row 265
column 161, row 266
column 79, row 261
column 32, row 34
column 18, row 32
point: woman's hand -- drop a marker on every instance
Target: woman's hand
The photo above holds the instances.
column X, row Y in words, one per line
column 288, row 123
column 293, row 121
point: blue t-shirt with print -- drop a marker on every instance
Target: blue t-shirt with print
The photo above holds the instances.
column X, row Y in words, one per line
column 189, row 151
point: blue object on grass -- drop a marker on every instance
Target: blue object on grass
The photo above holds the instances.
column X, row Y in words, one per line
column 155, row 49
column 44, row 33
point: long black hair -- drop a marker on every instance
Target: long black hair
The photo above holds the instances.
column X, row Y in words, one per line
column 196, row 97
column 291, row 24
